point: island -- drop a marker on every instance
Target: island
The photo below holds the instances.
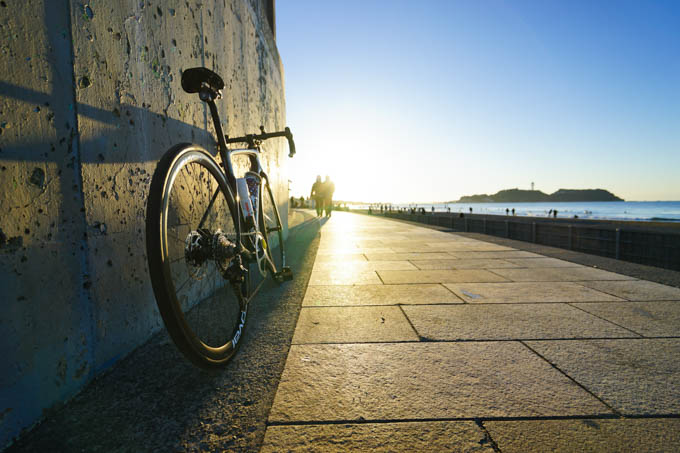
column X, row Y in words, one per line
column 535, row 196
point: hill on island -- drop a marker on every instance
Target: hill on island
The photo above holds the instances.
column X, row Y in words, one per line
column 532, row 196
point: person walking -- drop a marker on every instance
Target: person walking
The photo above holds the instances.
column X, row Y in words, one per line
column 327, row 189
column 317, row 195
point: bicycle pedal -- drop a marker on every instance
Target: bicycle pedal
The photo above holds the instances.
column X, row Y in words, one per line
column 286, row 274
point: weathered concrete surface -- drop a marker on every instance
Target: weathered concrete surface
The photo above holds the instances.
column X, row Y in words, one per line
column 379, row 295
column 511, row 292
column 344, row 276
column 637, row 290
column 353, row 325
column 651, row 319
column 475, row 263
column 515, row 351
column 403, row 381
column 366, row 266
column 89, row 101
column 439, row 276
column 604, row 436
column 381, row 437
column 552, row 274
column 508, row 322
column 635, row 377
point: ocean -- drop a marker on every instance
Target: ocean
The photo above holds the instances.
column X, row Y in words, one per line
column 659, row 211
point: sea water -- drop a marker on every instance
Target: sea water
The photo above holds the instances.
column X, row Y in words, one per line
column 611, row 210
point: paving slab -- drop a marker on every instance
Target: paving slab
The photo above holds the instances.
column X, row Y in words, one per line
column 414, row 249
column 407, row 256
column 345, row 258
column 637, row 290
column 388, row 381
column 501, row 255
column 362, row 266
column 439, row 276
column 542, row 262
column 522, row 292
column 473, row 247
column 651, row 319
column 385, row 323
column 352, row 250
column 508, row 322
column 379, row 295
column 635, row 377
column 463, row 436
column 567, row 274
column 481, row 263
column 347, row 276
column 655, row 435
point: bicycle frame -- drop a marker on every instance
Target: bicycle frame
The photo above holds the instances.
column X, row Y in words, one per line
column 253, row 153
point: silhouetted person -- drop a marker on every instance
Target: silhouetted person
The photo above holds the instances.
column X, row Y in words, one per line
column 507, row 211
column 317, row 195
column 513, row 211
column 554, row 213
column 328, row 188
column 470, row 209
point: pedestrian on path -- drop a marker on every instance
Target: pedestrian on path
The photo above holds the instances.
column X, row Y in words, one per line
column 317, row 195
column 327, row 190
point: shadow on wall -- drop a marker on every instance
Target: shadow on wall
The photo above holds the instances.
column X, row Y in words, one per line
column 77, row 153
column 60, row 327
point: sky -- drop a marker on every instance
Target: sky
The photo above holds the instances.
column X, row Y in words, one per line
column 427, row 101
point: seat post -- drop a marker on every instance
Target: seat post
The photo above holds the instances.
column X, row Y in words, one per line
column 226, row 163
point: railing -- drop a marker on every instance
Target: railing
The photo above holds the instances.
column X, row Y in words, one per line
column 634, row 244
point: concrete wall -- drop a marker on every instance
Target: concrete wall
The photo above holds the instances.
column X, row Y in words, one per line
column 90, row 99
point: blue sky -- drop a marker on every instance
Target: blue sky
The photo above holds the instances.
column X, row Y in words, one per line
column 418, row 101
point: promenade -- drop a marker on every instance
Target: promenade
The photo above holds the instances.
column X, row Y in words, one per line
column 413, row 339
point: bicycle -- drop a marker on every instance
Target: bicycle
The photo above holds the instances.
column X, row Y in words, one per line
column 206, row 230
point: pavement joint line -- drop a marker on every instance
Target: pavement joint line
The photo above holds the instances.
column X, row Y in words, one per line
column 584, row 388
column 420, row 337
column 394, row 305
column 484, row 340
column 605, row 319
column 602, row 291
column 487, row 436
column 452, row 292
column 379, row 277
column 623, row 297
column 364, row 421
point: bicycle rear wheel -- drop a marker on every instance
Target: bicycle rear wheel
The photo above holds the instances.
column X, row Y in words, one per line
column 272, row 230
column 189, row 202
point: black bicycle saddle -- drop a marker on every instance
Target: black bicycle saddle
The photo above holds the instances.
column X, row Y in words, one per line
column 194, row 77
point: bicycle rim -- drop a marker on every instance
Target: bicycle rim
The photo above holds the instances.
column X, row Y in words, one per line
column 203, row 312
column 271, row 228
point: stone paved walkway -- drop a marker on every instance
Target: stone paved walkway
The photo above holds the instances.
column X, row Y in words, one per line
column 411, row 339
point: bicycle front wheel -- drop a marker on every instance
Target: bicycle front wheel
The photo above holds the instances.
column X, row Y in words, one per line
column 272, row 230
column 189, row 202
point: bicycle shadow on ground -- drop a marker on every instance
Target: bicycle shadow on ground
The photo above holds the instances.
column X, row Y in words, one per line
column 154, row 400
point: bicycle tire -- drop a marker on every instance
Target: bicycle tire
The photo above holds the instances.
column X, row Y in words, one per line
column 272, row 229
column 204, row 321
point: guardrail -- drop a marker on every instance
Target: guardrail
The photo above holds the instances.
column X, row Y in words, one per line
column 635, row 244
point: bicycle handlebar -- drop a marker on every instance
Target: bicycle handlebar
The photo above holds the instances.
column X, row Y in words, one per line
column 250, row 138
